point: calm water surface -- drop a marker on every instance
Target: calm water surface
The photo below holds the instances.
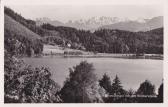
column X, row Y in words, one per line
column 131, row 72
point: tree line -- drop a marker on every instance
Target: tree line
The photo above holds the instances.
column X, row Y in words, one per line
column 115, row 87
column 112, row 41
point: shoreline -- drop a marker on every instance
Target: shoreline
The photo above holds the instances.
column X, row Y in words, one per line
column 73, row 53
column 102, row 55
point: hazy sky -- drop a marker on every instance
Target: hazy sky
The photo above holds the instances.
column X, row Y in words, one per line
column 72, row 12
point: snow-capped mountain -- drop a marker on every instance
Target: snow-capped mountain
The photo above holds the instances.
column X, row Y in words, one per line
column 40, row 21
column 93, row 23
column 141, row 20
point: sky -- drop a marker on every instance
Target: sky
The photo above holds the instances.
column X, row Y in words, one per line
column 64, row 13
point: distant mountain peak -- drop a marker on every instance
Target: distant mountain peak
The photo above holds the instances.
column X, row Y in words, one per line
column 139, row 24
column 141, row 20
column 45, row 19
column 40, row 21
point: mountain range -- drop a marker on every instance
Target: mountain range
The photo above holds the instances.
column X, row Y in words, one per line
column 103, row 22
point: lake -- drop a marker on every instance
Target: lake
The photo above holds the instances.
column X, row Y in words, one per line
column 131, row 72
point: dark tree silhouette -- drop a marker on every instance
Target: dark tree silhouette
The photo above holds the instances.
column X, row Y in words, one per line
column 146, row 88
column 105, row 82
column 160, row 93
column 117, row 88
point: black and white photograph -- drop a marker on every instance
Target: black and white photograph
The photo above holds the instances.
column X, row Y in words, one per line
column 109, row 53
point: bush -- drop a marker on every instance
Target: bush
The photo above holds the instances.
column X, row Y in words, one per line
column 24, row 84
column 146, row 88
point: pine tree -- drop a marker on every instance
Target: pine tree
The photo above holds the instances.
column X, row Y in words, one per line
column 117, row 88
column 105, row 82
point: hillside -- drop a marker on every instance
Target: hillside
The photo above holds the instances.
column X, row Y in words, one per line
column 46, row 35
column 18, row 29
column 112, row 41
column 134, row 26
column 19, row 40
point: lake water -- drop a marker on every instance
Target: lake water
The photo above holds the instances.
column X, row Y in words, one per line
column 131, row 72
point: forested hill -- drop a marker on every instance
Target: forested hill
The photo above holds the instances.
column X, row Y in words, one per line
column 113, row 41
column 102, row 40
column 18, row 29
column 18, row 39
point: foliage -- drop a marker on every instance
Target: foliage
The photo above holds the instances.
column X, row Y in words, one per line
column 105, row 82
column 133, row 42
column 146, row 88
column 160, row 93
column 117, row 87
column 20, row 45
column 82, row 85
column 113, row 41
column 24, row 84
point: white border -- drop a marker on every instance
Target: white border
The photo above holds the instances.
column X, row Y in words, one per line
column 83, row 2
column 86, row 2
column 1, row 52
